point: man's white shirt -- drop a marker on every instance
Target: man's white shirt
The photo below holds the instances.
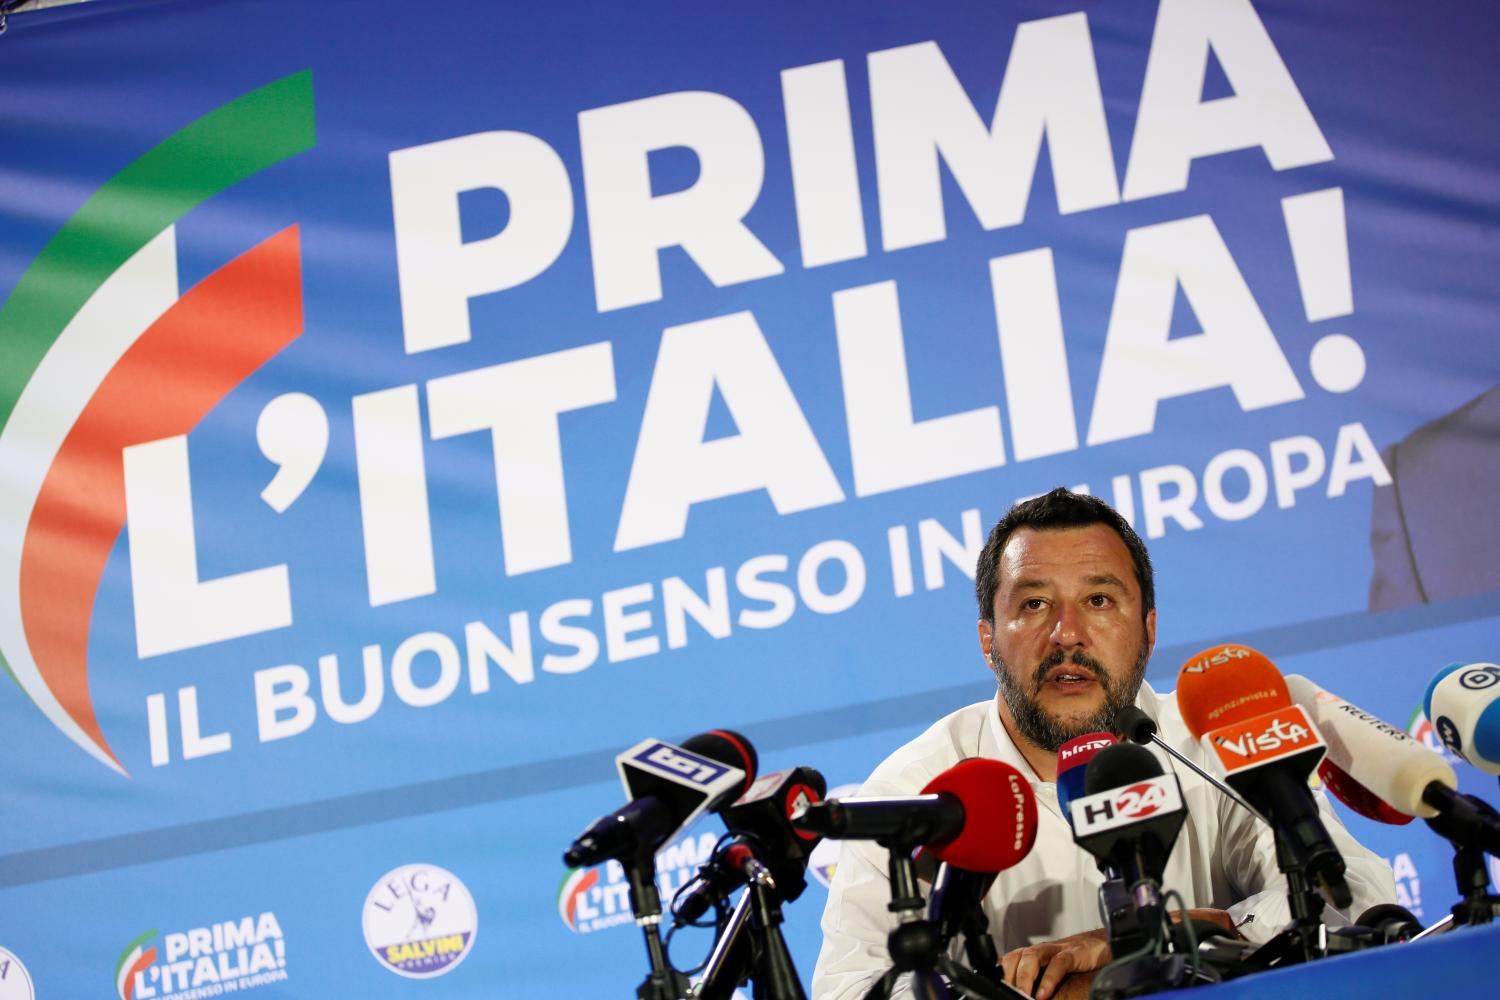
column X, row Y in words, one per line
column 1223, row 858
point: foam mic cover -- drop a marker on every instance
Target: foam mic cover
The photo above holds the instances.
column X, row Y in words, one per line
column 669, row 786
column 1370, row 760
column 999, row 815
column 1227, row 684
column 1463, row 704
column 1133, row 724
column 1124, row 764
column 1072, row 764
column 727, row 747
column 1132, row 812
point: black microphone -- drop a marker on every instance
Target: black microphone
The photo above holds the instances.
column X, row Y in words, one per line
column 1130, row 814
column 1133, row 724
column 761, row 822
column 900, row 819
column 669, row 787
column 732, row 865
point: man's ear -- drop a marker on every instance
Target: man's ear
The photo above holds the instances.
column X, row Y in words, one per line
column 1150, row 632
column 987, row 636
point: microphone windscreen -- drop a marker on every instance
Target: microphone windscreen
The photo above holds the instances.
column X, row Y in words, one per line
column 999, row 815
column 1133, row 724
column 1227, row 684
column 1463, row 705
column 1374, row 768
column 727, row 747
column 1120, row 765
column 1072, row 763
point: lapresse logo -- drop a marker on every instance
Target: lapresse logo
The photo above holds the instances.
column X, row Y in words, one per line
column 598, row 898
column 229, row 956
column 86, row 333
column 420, row 921
column 15, row 981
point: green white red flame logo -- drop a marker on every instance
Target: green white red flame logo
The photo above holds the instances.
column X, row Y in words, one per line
column 100, row 351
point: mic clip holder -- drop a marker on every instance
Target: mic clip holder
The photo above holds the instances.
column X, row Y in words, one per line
column 916, row 945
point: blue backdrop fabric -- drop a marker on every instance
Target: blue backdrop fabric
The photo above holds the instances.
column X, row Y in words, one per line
column 407, row 408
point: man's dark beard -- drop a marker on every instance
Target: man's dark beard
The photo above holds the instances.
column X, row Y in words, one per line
column 1050, row 733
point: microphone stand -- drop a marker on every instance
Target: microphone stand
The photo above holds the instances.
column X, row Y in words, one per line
column 663, row 982
column 1469, row 831
column 916, row 946
column 754, row 927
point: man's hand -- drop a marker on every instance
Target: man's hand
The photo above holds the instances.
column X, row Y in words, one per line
column 1054, row 960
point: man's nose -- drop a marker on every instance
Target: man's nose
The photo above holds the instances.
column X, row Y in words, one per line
column 1068, row 629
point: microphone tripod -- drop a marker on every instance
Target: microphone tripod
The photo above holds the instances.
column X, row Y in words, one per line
column 752, row 945
column 1308, row 938
column 916, row 945
column 663, row 982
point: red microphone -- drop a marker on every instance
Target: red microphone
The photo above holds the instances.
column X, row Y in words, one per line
column 999, row 815
column 1072, row 764
column 979, row 815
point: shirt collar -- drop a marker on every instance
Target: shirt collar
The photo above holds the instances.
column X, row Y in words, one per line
column 996, row 744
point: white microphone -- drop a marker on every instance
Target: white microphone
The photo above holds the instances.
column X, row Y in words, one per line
column 1463, row 704
column 1399, row 769
column 1379, row 756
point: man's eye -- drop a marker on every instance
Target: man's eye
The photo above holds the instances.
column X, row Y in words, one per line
column 1033, row 604
column 1100, row 600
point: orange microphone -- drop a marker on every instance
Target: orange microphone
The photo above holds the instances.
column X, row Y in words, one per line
column 1235, row 701
column 1226, row 684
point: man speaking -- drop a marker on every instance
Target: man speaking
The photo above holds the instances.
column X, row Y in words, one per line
column 1067, row 623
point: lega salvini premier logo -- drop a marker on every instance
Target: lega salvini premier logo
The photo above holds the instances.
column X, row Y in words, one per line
column 15, row 981
column 420, row 921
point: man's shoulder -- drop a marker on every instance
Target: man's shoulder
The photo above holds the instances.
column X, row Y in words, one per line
column 953, row 738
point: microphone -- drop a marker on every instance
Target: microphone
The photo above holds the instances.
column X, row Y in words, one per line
column 1463, row 703
column 761, row 824
column 1236, row 703
column 669, row 787
column 1398, row 772
column 1072, row 763
column 980, row 814
column 1131, row 813
column 1135, row 725
column 1343, row 786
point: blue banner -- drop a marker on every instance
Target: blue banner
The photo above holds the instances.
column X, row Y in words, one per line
column 404, row 410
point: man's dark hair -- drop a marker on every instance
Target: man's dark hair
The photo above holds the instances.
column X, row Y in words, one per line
column 1062, row 508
